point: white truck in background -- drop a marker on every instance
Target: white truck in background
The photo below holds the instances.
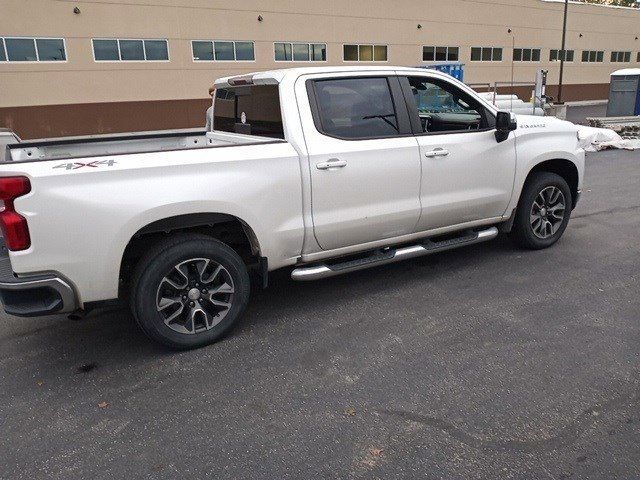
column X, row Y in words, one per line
column 321, row 170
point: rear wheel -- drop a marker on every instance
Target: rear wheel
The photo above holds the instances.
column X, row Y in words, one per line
column 543, row 211
column 189, row 290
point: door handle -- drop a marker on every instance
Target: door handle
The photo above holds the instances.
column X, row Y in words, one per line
column 332, row 163
column 437, row 152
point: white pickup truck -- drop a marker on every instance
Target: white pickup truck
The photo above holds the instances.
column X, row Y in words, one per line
column 322, row 170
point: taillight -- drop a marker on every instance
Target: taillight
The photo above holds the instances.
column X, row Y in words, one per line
column 14, row 226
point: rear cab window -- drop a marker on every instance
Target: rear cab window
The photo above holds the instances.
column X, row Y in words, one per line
column 249, row 110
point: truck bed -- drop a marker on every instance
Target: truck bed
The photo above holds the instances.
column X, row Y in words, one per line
column 125, row 143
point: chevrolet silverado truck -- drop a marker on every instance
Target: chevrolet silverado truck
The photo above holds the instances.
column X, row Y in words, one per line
column 320, row 170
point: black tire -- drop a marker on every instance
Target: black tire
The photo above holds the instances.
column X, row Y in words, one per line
column 523, row 231
column 160, row 262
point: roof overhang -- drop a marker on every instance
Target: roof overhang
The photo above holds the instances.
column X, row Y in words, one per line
column 626, row 71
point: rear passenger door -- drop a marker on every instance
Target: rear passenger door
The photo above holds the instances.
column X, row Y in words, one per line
column 364, row 161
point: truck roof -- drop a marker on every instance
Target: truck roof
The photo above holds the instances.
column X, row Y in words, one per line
column 272, row 77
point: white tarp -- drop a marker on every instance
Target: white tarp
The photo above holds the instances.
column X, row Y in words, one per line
column 595, row 139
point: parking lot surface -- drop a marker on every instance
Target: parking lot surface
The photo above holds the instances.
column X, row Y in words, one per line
column 485, row 362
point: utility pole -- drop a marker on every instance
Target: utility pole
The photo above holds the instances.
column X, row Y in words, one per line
column 563, row 51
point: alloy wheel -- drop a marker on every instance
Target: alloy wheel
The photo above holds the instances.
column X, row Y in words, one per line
column 195, row 296
column 547, row 212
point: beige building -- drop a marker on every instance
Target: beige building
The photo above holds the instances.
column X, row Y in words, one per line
column 94, row 66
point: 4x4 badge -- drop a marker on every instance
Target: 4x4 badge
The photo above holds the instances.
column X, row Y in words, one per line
column 94, row 164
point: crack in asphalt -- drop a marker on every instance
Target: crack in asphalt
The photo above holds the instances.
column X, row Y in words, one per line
column 611, row 210
column 567, row 435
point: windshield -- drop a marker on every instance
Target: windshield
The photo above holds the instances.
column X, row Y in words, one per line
column 250, row 110
column 431, row 98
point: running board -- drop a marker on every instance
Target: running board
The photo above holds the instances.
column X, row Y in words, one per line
column 391, row 255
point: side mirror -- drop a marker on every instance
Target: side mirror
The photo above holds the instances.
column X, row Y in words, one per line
column 505, row 123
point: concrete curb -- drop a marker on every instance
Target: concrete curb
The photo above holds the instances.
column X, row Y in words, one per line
column 586, row 103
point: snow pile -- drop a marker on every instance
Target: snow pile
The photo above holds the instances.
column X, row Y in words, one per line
column 595, row 139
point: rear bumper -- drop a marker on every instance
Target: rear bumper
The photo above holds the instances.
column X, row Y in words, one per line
column 35, row 295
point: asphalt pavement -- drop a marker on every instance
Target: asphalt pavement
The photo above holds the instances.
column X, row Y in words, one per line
column 484, row 362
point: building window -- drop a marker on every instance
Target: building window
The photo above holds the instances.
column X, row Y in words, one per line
column 592, row 56
column 486, row 54
column 156, row 50
column 300, row 52
column 245, row 51
column 365, row 53
column 440, row 54
column 621, row 57
column 222, row 50
column 318, row 52
column 526, row 54
column 130, row 50
column 554, row 56
column 32, row 50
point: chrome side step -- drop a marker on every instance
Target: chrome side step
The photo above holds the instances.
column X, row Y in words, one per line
column 382, row 257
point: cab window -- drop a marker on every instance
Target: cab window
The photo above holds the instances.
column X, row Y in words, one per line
column 442, row 107
column 251, row 110
column 356, row 108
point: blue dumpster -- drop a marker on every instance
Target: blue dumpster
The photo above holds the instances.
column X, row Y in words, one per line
column 455, row 69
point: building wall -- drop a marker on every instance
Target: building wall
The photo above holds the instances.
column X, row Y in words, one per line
column 117, row 96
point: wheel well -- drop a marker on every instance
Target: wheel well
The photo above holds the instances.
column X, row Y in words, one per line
column 565, row 168
column 226, row 228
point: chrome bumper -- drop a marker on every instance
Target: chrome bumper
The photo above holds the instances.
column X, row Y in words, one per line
column 35, row 295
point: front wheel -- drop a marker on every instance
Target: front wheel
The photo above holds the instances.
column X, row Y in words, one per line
column 189, row 290
column 543, row 211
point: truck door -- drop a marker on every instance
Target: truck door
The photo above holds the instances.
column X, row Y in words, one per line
column 466, row 174
column 364, row 161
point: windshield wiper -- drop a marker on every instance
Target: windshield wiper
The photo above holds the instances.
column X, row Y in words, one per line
column 384, row 119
